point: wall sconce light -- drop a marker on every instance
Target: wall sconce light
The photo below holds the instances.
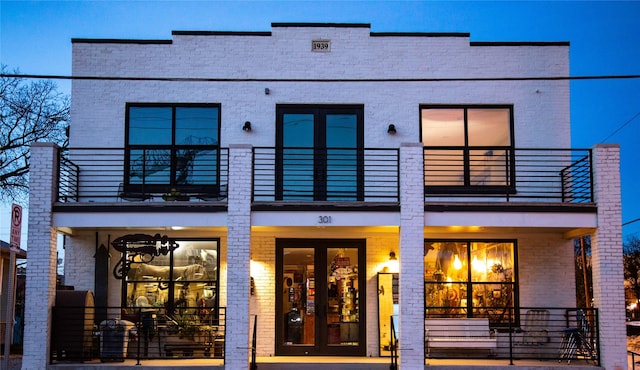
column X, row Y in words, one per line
column 247, row 126
column 267, row 91
column 394, row 265
column 391, row 130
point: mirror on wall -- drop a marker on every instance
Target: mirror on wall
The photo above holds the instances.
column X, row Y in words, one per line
column 388, row 306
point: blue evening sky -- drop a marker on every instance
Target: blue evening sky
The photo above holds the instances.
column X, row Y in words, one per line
column 35, row 37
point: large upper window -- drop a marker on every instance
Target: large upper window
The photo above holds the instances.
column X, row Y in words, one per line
column 467, row 148
column 470, row 279
column 172, row 147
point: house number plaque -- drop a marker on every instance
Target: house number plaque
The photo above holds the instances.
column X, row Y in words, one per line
column 324, row 219
column 321, row 46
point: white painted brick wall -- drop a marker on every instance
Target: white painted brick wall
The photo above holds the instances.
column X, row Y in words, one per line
column 411, row 257
column 41, row 269
column 238, row 257
column 606, row 247
column 540, row 107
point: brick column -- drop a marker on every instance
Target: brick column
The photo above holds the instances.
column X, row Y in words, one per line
column 411, row 257
column 237, row 341
column 41, row 269
column 606, row 248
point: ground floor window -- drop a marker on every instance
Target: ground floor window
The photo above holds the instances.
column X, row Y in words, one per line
column 185, row 278
column 471, row 278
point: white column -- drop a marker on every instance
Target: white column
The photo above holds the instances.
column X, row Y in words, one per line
column 606, row 249
column 411, row 257
column 42, row 257
column 237, row 340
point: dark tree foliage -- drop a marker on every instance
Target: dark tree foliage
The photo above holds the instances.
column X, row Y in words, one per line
column 584, row 292
column 631, row 260
column 30, row 111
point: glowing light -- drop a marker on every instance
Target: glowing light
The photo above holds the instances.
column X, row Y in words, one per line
column 457, row 264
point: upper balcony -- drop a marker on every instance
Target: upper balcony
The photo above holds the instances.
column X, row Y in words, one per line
column 329, row 176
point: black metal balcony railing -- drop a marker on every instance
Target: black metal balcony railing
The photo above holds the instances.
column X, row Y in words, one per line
column 344, row 175
column 527, row 333
column 329, row 174
column 525, row 175
column 98, row 175
column 108, row 334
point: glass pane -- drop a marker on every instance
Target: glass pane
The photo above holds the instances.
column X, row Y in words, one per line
column 488, row 167
column 445, row 262
column 297, row 174
column 204, row 167
column 342, row 174
column 298, row 162
column 298, row 130
column 196, row 126
column 492, row 301
column 443, row 167
column 149, row 166
column 343, row 310
column 446, row 299
column 150, row 125
column 489, row 127
column 298, row 303
column 443, row 127
column 492, row 262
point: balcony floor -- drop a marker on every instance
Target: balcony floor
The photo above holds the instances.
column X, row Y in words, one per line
column 332, row 363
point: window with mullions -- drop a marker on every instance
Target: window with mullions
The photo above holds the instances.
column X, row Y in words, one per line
column 172, row 147
column 184, row 279
column 471, row 279
column 467, row 149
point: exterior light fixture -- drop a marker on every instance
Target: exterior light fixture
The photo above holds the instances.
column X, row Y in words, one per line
column 394, row 265
column 247, row 126
column 392, row 129
column 267, row 91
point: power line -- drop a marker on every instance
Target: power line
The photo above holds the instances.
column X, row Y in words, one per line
column 630, row 222
column 620, row 128
column 214, row 79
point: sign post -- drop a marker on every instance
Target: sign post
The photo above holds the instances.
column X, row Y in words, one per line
column 14, row 247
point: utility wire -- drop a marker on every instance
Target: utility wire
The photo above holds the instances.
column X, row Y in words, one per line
column 630, row 222
column 214, row 79
column 620, row 128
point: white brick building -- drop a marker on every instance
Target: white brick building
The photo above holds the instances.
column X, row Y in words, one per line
column 279, row 170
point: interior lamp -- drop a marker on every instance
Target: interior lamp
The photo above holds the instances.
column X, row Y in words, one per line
column 457, row 264
column 393, row 265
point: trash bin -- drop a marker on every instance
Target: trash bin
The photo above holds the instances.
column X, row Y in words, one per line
column 114, row 339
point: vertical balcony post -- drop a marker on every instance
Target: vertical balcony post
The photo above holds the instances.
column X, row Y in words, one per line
column 411, row 337
column 606, row 246
column 237, row 341
column 42, row 254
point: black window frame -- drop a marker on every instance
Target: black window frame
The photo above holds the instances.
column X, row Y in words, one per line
column 469, row 310
column 467, row 187
column 210, row 189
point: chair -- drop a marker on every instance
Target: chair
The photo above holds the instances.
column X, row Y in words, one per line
column 577, row 341
column 534, row 332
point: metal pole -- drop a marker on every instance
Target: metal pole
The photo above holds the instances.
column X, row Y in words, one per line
column 8, row 331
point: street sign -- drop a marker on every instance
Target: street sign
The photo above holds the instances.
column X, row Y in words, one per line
column 16, row 227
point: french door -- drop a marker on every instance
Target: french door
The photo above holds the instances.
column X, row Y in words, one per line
column 319, row 153
column 320, row 297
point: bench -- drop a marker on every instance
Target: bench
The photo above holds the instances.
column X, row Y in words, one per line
column 461, row 333
column 187, row 349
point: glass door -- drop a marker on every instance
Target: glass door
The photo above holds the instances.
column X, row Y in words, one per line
column 320, row 293
column 319, row 153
